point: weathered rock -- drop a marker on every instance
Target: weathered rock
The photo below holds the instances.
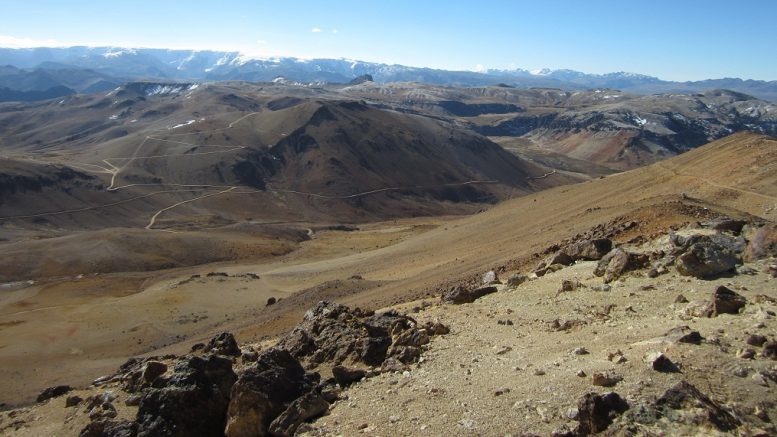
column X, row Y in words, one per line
column 192, row 401
column 271, row 301
column 72, row 401
column 769, row 350
column 53, row 392
column 660, row 363
column 516, row 280
column 617, row 262
column 726, row 301
column 756, row 340
column 683, row 400
column 264, row 391
column 605, row 379
column 570, row 285
column 684, row 334
column 346, row 376
column 436, row 328
column 223, row 344
column 708, row 256
column 589, row 250
column 462, row 295
column 595, row 412
column 746, row 354
column 762, row 243
column 153, row 370
column 726, row 224
column 700, row 308
column 490, row 278
column 680, row 299
column 109, row 428
column 305, row 407
column 561, row 258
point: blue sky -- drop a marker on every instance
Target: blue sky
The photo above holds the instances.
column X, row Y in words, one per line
column 679, row 40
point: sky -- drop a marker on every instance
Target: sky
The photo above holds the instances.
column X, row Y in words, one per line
column 673, row 40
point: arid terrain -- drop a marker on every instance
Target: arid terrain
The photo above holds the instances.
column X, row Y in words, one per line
column 145, row 221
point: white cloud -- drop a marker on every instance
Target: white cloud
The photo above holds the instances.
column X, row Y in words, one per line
column 334, row 30
column 480, row 68
column 19, row 43
column 261, row 42
column 315, row 30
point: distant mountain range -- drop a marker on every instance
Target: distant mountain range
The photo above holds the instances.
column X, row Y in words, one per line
column 44, row 72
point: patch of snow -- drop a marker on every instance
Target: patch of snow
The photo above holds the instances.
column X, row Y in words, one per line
column 639, row 120
column 133, row 121
column 113, row 117
column 187, row 123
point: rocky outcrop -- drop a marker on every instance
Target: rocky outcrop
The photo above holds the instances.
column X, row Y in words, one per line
column 589, row 250
column 595, row 412
column 762, row 243
column 223, row 344
column 53, row 392
column 685, row 403
column 335, row 334
column 617, row 262
column 265, row 391
column 193, row 401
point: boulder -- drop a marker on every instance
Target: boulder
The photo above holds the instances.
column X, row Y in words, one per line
column 726, row 301
column 305, row 407
column 612, row 265
column 223, row 344
column 589, row 250
column 152, row 370
column 490, row 278
column 192, row 401
column 726, row 224
column 346, row 376
column 53, row 392
column 769, row 350
column 660, row 363
column 605, row 379
column 264, row 391
column 684, row 334
column 461, row 295
column 707, row 256
column 110, row 428
column 756, row 340
column 516, row 280
column 700, row 308
column 762, row 243
column 570, row 285
column 595, row 412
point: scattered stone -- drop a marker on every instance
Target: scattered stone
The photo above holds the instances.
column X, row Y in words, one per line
column 570, row 285
column 746, row 270
column 700, row 308
column 248, row 356
column 726, row 301
column 223, row 344
column 271, row 301
column 581, row 373
column 516, row 280
column 212, row 274
column 109, row 428
column 501, row 391
column 436, row 328
column 153, row 370
column 756, row 340
column 680, row 299
column 762, row 298
column 72, row 401
column 346, row 376
column 769, row 350
column 503, row 350
column 617, row 262
column 741, row 372
column 605, row 379
column 539, row 372
column 580, row 351
column 53, row 392
column 762, row 243
column 132, row 400
column 596, row 412
column 461, row 295
column 197, row 347
column 746, row 354
column 707, row 256
column 660, row 363
column 507, row 322
column 684, row 334
column 601, row 287
column 760, row 379
column 490, row 278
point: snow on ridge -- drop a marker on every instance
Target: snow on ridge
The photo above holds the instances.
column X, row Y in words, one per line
column 115, row 52
column 186, row 123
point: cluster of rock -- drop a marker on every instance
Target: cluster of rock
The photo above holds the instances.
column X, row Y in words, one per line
column 201, row 394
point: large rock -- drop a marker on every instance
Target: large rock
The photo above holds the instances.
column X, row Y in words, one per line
column 617, row 262
column 223, row 344
column 595, row 412
column 110, row 428
column 762, row 243
column 726, row 301
column 333, row 333
column 460, row 295
column 264, row 391
column 346, row 376
column 589, row 250
column 305, row 407
column 707, row 256
column 193, row 401
column 53, row 392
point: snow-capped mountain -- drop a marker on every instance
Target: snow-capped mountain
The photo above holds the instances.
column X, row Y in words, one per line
column 123, row 64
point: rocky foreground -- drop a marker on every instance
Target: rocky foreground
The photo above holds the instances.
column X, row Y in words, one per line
column 668, row 335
